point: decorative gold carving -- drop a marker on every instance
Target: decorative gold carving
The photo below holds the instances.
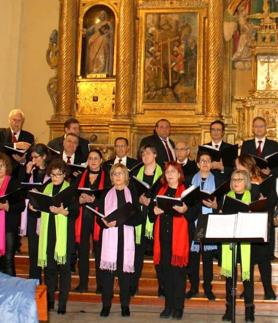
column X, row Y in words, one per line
column 106, row 150
column 95, row 97
column 66, row 64
column 184, row 4
column 125, row 60
column 215, row 58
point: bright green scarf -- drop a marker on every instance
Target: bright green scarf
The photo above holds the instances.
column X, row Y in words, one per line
column 245, row 249
column 61, row 223
column 149, row 224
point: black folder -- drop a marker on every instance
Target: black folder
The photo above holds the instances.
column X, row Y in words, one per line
column 11, row 197
column 232, row 205
column 121, row 215
column 218, row 192
column 13, row 151
column 38, row 186
column 77, row 168
column 144, row 188
column 96, row 192
column 53, row 152
column 42, row 202
column 270, row 161
column 228, row 155
column 132, row 169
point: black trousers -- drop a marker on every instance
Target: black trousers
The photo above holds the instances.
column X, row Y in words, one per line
column 7, row 264
column 84, row 252
column 33, row 245
column 53, row 271
column 138, row 262
column 108, row 287
column 174, row 280
column 194, row 267
column 248, row 286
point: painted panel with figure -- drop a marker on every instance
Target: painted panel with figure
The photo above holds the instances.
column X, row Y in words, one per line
column 98, row 42
column 171, row 54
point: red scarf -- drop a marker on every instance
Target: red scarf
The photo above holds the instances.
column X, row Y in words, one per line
column 180, row 237
column 78, row 222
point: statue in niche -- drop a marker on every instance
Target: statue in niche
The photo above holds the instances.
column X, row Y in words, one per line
column 99, row 41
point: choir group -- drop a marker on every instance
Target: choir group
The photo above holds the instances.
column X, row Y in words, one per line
column 129, row 208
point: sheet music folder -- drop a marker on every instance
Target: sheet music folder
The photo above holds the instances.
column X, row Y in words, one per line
column 236, row 227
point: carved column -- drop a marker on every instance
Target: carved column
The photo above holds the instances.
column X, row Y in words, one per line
column 124, row 79
column 66, row 63
column 215, row 58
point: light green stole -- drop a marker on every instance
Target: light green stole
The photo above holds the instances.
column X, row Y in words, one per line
column 245, row 249
column 149, row 224
column 61, row 223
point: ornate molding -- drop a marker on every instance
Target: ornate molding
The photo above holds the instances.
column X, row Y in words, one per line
column 166, row 4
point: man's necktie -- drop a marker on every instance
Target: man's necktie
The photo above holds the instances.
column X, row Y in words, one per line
column 168, row 150
column 259, row 149
column 216, row 146
column 14, row 139
column 68, row 160
column 120, row 160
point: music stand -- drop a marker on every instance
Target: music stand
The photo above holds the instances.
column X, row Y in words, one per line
column 217, row 220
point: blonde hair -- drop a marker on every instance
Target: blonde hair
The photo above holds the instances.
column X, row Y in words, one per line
column 246, row 177
column 15, row 112
column 123, row 168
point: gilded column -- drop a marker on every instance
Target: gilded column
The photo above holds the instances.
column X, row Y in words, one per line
column 125, row 59
column 66, row 63
column 215, row 58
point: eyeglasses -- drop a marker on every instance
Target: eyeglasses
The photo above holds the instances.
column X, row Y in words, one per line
column 205, row 161
column 56, row 175
column 237, row 180
column 216, row 129
column 117, row 174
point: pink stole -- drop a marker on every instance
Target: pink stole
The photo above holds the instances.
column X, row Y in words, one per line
column 23, row 222
column 3, row 189
column 109, row 247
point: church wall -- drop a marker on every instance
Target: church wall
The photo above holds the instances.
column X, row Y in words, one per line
column 25, row 30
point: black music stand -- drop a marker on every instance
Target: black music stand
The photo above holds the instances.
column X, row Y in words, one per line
column 201, row 236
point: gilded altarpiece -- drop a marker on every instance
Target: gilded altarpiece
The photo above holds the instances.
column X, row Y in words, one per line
column 124, row 64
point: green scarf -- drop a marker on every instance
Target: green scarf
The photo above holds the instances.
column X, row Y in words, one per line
column 245, row 249
column 61, row 223
column 149, row 224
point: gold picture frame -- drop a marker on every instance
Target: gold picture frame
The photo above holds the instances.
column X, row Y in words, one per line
column 170, row 65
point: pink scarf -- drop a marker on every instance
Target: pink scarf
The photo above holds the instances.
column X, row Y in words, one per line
column 109, row 248
column 3, row 189
column 23, row 223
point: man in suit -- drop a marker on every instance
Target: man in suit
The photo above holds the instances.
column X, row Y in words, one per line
column 70, row 154
column 16, row 137
column 160, row 140
column 71, row 126
column 217, row 131
column 121, row 149
column 260, row 145
column 189, row 167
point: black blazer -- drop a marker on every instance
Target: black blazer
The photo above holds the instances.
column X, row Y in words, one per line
column 227, row 170
column 82, row 149
column 270, row 147
column 6, row 137
column 155, row 141
column 130, row 162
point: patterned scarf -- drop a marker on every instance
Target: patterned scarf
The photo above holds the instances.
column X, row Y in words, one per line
column 78, row 222
column 149, row 224
column 61, row 226
column 180, row 238
column 3, row 189
column 245, row 249
column 109, row 247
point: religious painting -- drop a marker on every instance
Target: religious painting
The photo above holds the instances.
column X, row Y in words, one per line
column 170, row 57
column 98, row 38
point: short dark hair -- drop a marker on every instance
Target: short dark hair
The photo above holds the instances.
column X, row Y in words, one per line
column 259, row 118
column 202, row 153
column 218, row 122
column 71, row 134
column 97, row 151
column 152, row 148
column 160, row 120
column 121, row 138
column 40, row 149
column 57, row 163
column 8, row 163
column 70, row 121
